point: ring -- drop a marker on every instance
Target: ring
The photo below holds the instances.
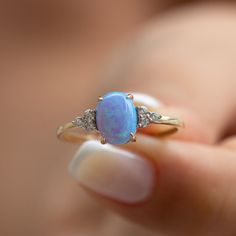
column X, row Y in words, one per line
column 115, row 120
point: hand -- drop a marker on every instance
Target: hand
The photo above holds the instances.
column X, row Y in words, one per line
column 184, row 185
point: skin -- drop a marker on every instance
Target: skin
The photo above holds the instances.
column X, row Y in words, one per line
column 203, row 155
column 186, row 54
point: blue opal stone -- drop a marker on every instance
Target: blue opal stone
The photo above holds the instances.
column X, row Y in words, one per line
column 116, row 118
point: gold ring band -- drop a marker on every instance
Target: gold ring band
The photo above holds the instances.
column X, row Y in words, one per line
column 72, row 133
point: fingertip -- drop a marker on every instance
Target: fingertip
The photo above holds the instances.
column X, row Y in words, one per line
column 113, row 172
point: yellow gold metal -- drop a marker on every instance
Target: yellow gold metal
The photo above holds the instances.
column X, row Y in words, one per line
column 71, row 133
column 132, row 137
column 169, row 126
column 166, row 120
column 130, row 96
column 139, row 125
column 103, row 140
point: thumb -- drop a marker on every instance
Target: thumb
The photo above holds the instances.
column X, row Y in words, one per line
column 172, row 187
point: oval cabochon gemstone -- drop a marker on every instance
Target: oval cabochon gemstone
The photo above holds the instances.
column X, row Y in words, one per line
column 116, row 118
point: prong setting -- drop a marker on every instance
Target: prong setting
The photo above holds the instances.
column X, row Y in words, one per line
column 103, row 140
column 146, row 117
column 130, row 96
column 149, row 116
column 140, row 125
column 115, row 120
column 87, row 121
column 133, row 137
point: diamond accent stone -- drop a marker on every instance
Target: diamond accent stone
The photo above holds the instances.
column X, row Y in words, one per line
column 146, row 117
column 87, row 121
column 155, row 117
column 143, row 116
column 78, row 121
column 90, row 120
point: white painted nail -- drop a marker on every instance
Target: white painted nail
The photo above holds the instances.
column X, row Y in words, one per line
column 113, row 172
column 147, row 100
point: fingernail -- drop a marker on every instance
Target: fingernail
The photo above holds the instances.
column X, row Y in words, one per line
column 146, row 100
column 113, row 172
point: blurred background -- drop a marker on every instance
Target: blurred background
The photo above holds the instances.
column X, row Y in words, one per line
column 54, row 58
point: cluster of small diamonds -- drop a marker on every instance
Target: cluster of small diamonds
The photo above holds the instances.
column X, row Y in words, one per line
column 87, row 121
column 146, row 117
